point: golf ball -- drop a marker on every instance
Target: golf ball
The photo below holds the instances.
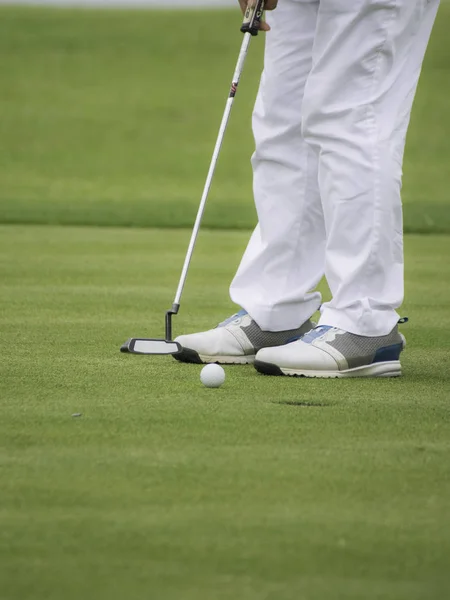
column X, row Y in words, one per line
column 212, row 376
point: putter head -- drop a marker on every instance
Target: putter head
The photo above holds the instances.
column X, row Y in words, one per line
column 149, row 346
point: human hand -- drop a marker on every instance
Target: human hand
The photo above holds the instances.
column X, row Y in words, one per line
column 268, row 5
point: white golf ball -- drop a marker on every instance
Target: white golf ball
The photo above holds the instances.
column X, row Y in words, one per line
column 212, row 376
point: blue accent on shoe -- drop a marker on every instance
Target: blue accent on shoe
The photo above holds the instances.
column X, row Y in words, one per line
column 237, row 315
column 388, row 353
column 315, row 333
column 311, row 335
column 293, row 339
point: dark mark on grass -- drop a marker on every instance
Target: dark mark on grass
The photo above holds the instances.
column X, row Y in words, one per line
column 303, row 403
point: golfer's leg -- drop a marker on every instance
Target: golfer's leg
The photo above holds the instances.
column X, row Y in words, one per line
column 285, row 257
column 366, row 64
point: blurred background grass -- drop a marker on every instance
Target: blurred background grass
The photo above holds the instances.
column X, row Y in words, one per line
column 109, row 117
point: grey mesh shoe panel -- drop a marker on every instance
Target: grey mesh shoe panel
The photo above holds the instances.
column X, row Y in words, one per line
column 266, row 339
column 360, row 350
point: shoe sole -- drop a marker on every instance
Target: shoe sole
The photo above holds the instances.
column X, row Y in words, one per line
column 187, row 355
column 384, row 369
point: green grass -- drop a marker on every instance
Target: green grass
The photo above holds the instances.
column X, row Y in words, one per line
column 109, row 117
column 267, row 488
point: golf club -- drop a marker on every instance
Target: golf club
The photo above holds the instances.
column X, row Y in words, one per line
column 250, row 27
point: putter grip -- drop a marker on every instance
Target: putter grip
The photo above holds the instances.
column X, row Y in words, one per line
column 252, row 18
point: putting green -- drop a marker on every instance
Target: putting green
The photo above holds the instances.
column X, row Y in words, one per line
column 109, row 118
column 264, row 488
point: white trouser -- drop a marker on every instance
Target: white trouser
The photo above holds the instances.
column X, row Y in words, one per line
column 330, row 123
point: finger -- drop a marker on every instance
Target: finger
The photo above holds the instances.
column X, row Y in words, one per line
column 270, row 4
column 264, row 26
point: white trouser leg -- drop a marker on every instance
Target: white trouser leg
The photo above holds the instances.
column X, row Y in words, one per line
column 366, row 62
column 285, row 257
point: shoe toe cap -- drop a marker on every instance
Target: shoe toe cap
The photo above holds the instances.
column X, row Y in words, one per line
column 215, row 342
column 298, row 355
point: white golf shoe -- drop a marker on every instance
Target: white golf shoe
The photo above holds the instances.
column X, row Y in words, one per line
column 331, row 352
column 235, row 341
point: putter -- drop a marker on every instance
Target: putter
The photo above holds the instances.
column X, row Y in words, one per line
column 250, row 27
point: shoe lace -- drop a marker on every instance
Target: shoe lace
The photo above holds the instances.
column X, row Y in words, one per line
column 236, row 317
column 310, row 335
